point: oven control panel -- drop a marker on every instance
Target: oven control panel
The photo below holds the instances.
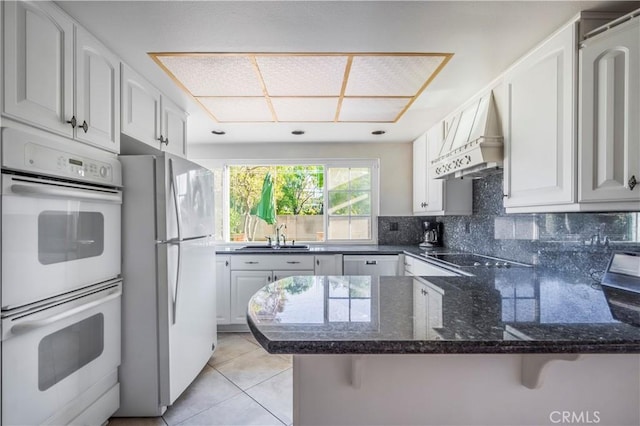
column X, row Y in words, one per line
column 65, row 164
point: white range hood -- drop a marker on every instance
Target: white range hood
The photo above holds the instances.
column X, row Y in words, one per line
column 473, row 145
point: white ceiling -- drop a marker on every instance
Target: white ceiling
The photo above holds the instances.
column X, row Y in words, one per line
column 485, row 38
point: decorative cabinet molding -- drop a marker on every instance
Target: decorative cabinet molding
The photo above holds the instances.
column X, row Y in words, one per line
column 609, row 125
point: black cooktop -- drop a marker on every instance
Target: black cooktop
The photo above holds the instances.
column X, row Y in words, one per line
column 473, row 260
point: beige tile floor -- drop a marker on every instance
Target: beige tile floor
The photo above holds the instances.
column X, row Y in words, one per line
column 241, row 384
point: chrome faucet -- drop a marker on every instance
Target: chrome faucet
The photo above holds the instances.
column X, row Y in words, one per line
column 280, row 235
column 599, row 239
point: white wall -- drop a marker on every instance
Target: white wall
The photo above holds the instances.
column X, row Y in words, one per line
column 395, row 163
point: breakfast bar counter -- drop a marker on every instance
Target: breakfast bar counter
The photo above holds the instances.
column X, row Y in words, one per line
column 449, row 350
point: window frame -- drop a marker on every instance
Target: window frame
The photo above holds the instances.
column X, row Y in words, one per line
column 372, row 163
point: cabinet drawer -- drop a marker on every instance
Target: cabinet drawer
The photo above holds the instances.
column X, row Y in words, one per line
column 271, row 262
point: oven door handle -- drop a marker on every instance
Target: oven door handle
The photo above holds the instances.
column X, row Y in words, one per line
column 61, row 192
column 27, row 326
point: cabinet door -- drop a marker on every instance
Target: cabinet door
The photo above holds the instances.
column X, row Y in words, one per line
column 328, row 264
column 540, row 138
column 140, row 108
column 97, row 93
column 420, row 175
column 278, row 275
column 244, row 284
column 223, row 290
column 38, row 65
column 174, row 128
column 435, row 187
column 609, row 132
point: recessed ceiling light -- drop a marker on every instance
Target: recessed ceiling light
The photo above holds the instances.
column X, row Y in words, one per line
column 298, row 132
column 378, row 132
column 218, row 132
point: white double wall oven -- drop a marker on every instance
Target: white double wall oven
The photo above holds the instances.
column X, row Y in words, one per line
column 61, row 282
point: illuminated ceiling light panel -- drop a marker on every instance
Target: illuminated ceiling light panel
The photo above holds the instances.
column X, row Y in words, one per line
column 272, row 87
column 383, row 110
column 390, row 75
column 305, row 109
column 238, row 110
column 214, row 75
column 302, row 75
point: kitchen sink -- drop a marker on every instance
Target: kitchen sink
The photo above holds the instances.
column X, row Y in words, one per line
column 301, row 247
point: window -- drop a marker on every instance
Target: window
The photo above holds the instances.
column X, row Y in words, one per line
column 315, row 201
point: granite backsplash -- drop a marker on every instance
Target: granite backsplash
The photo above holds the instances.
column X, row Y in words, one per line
column 575, row 242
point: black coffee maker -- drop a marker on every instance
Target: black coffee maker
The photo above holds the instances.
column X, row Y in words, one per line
column 432, row 234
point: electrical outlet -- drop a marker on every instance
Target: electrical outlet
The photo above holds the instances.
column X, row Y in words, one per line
column 393, row 226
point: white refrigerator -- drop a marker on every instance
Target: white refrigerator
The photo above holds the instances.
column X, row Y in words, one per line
column 169, row 288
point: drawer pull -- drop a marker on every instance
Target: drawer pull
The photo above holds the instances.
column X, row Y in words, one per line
column 292, row 262
column 251, row 262
column 371, row 262
column 632, row 182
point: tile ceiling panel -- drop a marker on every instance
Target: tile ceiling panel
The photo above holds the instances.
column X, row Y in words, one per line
column 238, row 109
column 372, row 109
column 390, row 75
column 305, row 109
column 303, row 87
column 301, row 75
column 210, row 75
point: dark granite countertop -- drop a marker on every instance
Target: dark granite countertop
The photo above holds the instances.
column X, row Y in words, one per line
column 325, row 249
column 517, row 310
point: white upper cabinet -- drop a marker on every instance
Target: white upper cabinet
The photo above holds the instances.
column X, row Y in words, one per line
column 609, row 132
column 174, row 128
column 436, row 197
column 97, row 93
column 38, row 65
column 44, row 89
column 140, row 108
column 540, row 148
column 150, row 117
column 420, row 175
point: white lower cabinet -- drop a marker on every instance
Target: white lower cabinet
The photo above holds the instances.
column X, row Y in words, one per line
column 375, row 265
column 223, row 290
column 427, row 311
column 328, row 264
column 245, row 284
column 249, row 273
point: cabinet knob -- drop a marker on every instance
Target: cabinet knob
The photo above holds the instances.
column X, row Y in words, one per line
column 84, row 126
column 318, row 262
column 226, row 263
column 163, row 140
column 632, row 182
column 73, row 122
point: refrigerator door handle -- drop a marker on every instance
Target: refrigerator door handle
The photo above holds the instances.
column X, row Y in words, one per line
column 174, row 188
column 177, row 289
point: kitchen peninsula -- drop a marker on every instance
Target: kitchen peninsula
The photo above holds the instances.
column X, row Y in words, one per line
column 451, row 350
